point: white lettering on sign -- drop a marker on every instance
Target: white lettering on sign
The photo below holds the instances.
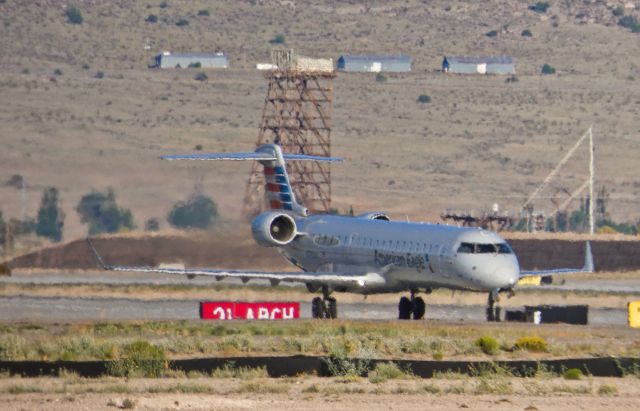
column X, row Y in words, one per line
column 250, row 315
column 287, row 316
column 263, row 313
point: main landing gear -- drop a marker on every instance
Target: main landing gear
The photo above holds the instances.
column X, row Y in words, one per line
column 414, row 306
column 325, row 307
column 493, row 308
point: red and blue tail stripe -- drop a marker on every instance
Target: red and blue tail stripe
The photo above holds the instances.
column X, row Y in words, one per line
column 278, row 189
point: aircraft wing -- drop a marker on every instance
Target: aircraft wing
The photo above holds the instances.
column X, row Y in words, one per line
column 587, row 268
column 328, row 278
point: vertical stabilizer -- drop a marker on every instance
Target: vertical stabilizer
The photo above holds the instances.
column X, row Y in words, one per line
column 278, row 187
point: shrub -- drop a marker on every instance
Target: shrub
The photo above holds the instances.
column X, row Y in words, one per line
column 50, row 216
column 99, row 75
column 204, row 12
column 16, row 181
column 103, row 214
column 196, row 64
column 547, row 69
column 22, row 227
column 201, row 77
column 424, row 98
column 152, row 18
column 182, row 22
column 3, row 231
column 606, row 389
column 535, row 344
column 86, row 66
column 630, row 22
column 198, row 147
column 386, row 371
column 74, row 16
column 163, row 5
column 198, row 212
column 492, row 33
column 152, row 224
column 141, row 359
column 57, row 72
column 278, row 39
column 488, row 345
column 572, row 374
column 526, row 33
column 539, row 7
column 618, row 11
column 381, row 78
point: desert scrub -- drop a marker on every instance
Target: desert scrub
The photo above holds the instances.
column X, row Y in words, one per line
column 386, row 371
column 533, row 344
column 141, row 359
column 488, row 345
column 572, row 374
column 606, row 389
column 230, row 370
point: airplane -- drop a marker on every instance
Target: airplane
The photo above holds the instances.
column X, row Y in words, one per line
column 365, row 254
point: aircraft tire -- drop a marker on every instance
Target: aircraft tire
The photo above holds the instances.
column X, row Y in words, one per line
column 404, row 309
column 419, row 308
column 332, row 309
column 317, row 308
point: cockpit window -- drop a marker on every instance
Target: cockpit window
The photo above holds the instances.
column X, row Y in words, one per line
column 476, row 248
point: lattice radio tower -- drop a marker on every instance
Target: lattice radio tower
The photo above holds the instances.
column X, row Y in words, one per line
column 297, row 116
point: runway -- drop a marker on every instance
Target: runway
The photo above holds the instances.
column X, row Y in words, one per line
column 69, row 309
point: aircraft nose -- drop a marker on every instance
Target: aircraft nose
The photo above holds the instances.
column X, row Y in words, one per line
column 507, row 277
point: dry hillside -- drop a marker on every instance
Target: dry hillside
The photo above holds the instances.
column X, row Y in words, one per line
column 480, row 141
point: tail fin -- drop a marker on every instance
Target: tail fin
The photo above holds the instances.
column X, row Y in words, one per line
column 278, row 186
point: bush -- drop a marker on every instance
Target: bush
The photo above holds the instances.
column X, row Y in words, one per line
column 572, row 374
column 381, row 78
column 152, row 224
column 197, row 64
column 278, row 39
column 492, row 33
column 630, row 22
column 141, row 359
column 488, row 345
column 535, row 344
column 99, row 75
column 15, row 181
column 204, row 12
column 547, row 69
column 201, row 77
column 22, row 227
column 198, row 212
column 50, row 216
column 539, row 7
column 152, row 18
column 386, row 371
column 103, row 214
column 618, row 11
column 163, row 5
column 86, row 66
column 526, row 33
column 182, row 22
column 74, row 16
column 3, row 230
column 57, row 72
column 424, row 98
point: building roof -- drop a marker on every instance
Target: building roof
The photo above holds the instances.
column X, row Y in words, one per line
column 373, row 57
column 195, row 55
column 480, row 60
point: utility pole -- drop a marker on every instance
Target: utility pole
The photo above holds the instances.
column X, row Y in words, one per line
column 592, row 200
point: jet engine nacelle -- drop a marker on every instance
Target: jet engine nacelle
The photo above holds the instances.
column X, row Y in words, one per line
column 375, row 215
column 272, row 229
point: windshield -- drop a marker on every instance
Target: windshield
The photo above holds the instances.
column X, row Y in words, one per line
column 479, row 248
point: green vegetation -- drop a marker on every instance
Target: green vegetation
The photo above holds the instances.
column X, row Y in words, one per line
column 141, row 359
column 492, row 33
column 201, row 77
column 630, row 22
column 152, row 224
column 57, row 72
column 381, row 78
column 99, row 75
column 182, row 22
column 572, row 374
column 540, row 7
column 103, row 214
column 74, row 16
column 488, row 345
column 547, row 69
column 386, row 371
column 196, row 64
column 278, row 39
column 198, row 212
column 152, row 18
column 606, row 389
column 618, row 11
column 534, row 344
column 163, row 5
column 50, row 215
column 526, row 33
column 203, row 12
column 424, row 99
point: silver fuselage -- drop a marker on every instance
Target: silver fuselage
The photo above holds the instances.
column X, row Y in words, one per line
column 410, row 256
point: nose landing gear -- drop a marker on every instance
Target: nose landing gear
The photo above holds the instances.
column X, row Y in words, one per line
column 325, row 307
column 415, row 307
column 493, row 307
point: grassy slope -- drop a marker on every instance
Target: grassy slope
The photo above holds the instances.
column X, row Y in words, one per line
column 480, row 141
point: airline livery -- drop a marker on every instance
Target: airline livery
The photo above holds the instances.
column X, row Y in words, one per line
column 369, row 253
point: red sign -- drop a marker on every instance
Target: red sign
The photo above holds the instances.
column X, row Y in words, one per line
column 227, row 310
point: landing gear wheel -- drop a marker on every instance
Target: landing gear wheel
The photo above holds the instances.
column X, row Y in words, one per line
column 419, row 308
column 317, row 308
column 404, row 309
column 493, row 309
column 332, row 308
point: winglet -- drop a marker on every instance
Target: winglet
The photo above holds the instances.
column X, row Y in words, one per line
column 588, row 259
column 101, row 263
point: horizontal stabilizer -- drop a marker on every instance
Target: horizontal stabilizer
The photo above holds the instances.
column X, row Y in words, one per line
column 587, row 268
column 253, row 155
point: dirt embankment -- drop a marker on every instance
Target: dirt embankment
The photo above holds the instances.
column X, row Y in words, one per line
column 237, row 251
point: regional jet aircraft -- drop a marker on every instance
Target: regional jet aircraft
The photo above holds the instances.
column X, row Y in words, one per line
column 366, row 254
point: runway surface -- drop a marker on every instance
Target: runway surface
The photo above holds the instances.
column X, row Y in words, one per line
column 68, row 309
